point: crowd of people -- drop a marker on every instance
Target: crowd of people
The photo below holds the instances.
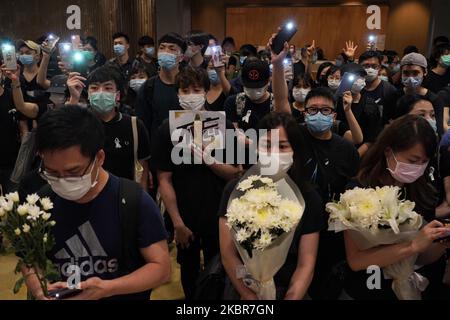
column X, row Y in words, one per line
column 91, row 129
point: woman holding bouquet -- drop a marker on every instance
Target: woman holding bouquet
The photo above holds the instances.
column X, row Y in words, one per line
column 399, row 157
column 294, row 277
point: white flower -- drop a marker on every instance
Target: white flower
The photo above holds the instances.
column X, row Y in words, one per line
column 26, row 228
column 22, row 209
column 14, row 197
column 46, row 204
column 242, row 235
column 7, row 205
column 247, row 183
column 2, row 212
column 52, row 223
column 17, row 232
column 32, row 198
column 46, row 216
column 33, row 212
column 45, row 239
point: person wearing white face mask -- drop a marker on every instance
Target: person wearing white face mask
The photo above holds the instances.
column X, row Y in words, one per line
column 191, row 191
column 285, row 156
column 302, row 86
column 197, row 46
column 104, row 86
column 106, row 213
column 247, row 108
column 381, row 92
column 139, row 75
column 400, row 158
column 365, row 110
column 220, row 88
column 333, row 78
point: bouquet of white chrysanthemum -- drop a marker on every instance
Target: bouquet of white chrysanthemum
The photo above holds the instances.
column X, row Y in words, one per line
column 377, row 217
column 263, row 215
column 27, row 227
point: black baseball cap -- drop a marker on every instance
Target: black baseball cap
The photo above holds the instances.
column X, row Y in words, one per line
column 255, row 73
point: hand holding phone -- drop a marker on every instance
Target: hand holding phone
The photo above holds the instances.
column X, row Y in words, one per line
column 64, row 293
column 346, row 84
column 50, row 43
column 217, row 56
column 284, row 35
column 9, row 57
column 446, row 223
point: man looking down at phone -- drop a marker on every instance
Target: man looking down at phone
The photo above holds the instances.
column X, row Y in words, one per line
column 104, row 89
column 197, row 44
column 330, row 161
column 115, row 257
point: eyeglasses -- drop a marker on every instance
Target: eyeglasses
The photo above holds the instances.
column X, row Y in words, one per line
column 50, row 178
column 325, row 110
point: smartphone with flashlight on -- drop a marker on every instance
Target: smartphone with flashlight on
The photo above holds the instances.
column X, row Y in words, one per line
column 372, row 42
column 76, row 42
column 217, row 56
column 79, row 62
column 346, row 84
column 52, row 40
column 65, row 53
column 64, row 293
column 284, row 35
column 9, row 56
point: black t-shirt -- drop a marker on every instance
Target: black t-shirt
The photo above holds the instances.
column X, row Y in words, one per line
column 384, row 96
column 330, row 163
column 154, row 101
column 313, row 220
column 119, row 146
column 216, row 105
column 368, row 116
column 250, row 115
column 34, row 93
column 197, row 187
column 125, row 69
column 9, row 131
column 435, row 82
column 90, row 235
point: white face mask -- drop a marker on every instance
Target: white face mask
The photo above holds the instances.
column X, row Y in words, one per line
column 333, row 84
column 192, row 101
column 372, row 74
column 136, row 84
column 358, row 85
column 300, row 94
column 255, row 94
column 275, row 163
column 73, row 188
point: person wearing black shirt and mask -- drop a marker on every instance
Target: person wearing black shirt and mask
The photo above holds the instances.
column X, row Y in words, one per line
column 439, row 76
column 147, row 55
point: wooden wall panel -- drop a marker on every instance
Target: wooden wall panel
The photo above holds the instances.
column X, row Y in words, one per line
column 29, row 19
column 330, row 26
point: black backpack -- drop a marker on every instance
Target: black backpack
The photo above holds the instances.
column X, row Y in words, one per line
column 129, row 198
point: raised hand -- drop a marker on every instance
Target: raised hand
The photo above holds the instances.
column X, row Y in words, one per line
column 278, row 58
column 350, row 49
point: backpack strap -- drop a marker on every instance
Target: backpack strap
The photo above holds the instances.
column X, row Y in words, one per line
column 240, row 103
column 129, row 198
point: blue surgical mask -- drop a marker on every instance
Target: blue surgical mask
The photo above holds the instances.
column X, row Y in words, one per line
column 412, row 82
column 433, row 124
column 103, row 102
column 242, row 60
column 319, row 123
column 119, row 49
column 167, row 61
column 383, row 78
column 213, row 76
column 26, row 59
column 150, row 51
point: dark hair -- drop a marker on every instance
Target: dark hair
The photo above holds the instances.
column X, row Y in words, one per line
column 146, row 41
column 262, row 54
column 174, row 38
column 305, row 77
column 320, row 54
column 438, row 51
column 333, row 69
column 406, row 103
column 324, row 65
column 192, row 76
column 248, row 50
column 402, row 134
column 199, row 39
column 228, row 40
column 140, row 67
column 107, row 73
column 92, row 42
column 370, row 54
column 323, row 92
column 296, row 140
column 410, row 49
column 212, row 37
column 70, row 126
column 121, row 35
column 441, row 40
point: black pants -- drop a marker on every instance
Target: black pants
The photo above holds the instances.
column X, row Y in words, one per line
column 189, row 260
column 6, row 184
